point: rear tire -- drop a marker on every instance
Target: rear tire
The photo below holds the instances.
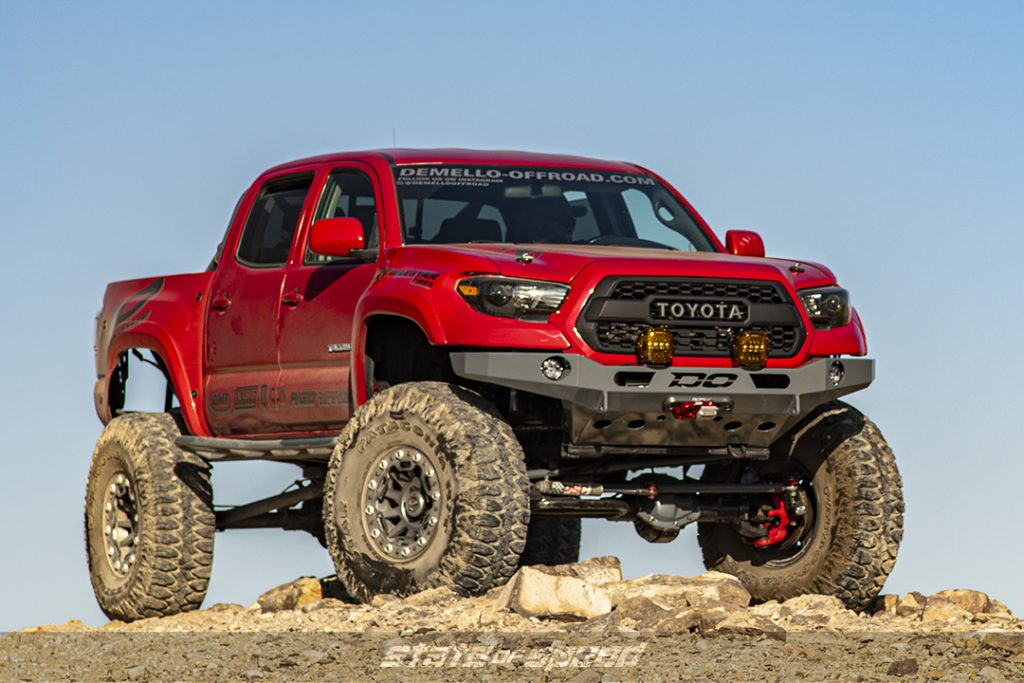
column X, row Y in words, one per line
column 427, row 487
column 552, row 540
column 149, row 522
column 850, row 547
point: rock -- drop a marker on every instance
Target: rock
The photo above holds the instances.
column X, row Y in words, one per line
column 710, row 589
column 996, row 607
column 771, row 609
column 431, row 597
column 803, row 604
column 70, row 626
column 884, row 604
column 746, row 624
column 941, row 612
column 1007, row 641
column 990, row 673
column 225, row 607
column 700, row 619
column 289, row 596
column 974, row 602
column 313, row 656
column 811, row 611
column 595, row 570
column 135, row 673
column 383, row 599
column 911, row 605
column 903, row 667
column 641, row 609
column 326, row 603
column 533, row 592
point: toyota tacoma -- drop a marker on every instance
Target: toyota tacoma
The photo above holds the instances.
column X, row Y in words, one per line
column 468, row 352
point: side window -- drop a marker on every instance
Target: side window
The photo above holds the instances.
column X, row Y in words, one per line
column 347, row 193
column 267, row 235
column 654, row 220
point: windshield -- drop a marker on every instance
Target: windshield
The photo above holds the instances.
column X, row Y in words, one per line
column 448, row 204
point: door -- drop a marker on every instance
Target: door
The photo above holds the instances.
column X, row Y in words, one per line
column 243, row 387
column 319, row 300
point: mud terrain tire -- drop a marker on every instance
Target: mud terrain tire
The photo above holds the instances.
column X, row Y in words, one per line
column 552, row 540
column 157, row 501
column 388, row 532
column 857, row 501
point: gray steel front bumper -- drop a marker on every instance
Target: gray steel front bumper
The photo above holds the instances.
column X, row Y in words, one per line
column 631, row 405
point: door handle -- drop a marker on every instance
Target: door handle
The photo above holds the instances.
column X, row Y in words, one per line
column 220, row 302
column 292, row 298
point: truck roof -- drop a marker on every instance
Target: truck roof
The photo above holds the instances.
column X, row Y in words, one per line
column 452, row 155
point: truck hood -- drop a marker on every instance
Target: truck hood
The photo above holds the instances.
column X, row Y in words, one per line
column 565, row 262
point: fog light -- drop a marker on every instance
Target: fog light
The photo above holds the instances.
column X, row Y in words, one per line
column 655, row 347
column 554, row 368
column 750, row 350
column 836, row 372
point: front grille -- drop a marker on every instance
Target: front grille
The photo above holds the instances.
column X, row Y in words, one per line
column 621, row 308
column 755, row 293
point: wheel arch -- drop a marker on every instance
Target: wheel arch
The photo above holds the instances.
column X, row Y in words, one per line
column 111, row 389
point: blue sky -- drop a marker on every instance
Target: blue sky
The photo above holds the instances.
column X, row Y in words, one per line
column 882, row 139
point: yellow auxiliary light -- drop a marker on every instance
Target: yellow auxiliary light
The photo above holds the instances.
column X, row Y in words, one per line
column 655, row 347
column 750, row 350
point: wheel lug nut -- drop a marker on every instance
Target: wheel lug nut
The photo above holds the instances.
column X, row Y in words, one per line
column 435, row 495
column 417, row 456
column 372, row 485
column 405, row 552
column 106, row 529
column 383, row 464
column 389, row 548
column 369, row 509
column 375, row 533
column 430, row 472
column 400, row 454
column 421, row 540
column 110, row 550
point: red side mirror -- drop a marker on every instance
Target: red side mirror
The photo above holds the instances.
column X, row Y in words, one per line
column 336, row 236
column 744, row 243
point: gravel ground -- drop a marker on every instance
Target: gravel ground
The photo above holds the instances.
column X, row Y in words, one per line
column 542, row 626
column 460, row 656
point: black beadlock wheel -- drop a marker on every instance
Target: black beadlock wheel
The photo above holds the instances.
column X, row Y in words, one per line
column 149, row 522
column 427, row 487
column 846, row 542
column 552, row 540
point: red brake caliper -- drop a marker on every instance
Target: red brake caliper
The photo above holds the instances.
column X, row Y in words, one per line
column 778, row 532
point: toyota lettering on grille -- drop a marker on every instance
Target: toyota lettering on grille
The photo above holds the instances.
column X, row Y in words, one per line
column 714, row 311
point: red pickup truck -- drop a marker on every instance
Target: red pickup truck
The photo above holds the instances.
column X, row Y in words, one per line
column 467, row 352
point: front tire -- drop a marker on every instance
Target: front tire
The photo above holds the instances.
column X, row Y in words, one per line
column 552, row 541
column 855, row 522
column 427, row 487
column 149, row 522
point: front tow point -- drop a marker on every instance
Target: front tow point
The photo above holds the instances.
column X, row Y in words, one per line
column 699, row 409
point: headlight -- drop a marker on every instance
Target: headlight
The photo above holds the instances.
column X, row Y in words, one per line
column 827, row 307
column 512, row 297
